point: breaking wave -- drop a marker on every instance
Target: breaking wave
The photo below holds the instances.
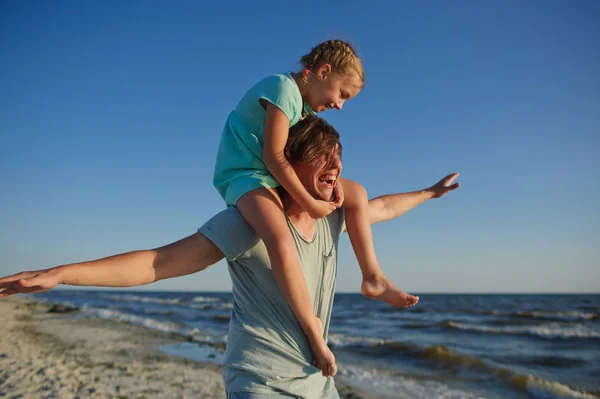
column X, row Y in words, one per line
column 547, row 331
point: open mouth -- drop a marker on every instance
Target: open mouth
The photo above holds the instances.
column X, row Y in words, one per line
column 327, row 181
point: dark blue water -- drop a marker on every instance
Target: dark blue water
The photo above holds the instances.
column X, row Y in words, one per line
column 448, row 346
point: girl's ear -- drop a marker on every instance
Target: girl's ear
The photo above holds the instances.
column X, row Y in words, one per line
column 324, row 71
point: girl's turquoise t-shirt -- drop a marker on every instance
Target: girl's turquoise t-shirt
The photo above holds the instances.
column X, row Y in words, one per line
column 240, row 167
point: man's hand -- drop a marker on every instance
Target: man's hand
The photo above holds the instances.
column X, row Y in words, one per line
column 29, row 282
column 444, row 186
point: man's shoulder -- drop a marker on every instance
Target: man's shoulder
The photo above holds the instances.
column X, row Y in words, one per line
column 230, row 233
column 227, row 217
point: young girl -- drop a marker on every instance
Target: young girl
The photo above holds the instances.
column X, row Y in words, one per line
column 251, row 164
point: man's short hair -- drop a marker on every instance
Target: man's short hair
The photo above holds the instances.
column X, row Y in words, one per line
column 311, row 139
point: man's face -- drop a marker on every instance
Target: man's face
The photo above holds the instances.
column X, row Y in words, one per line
column 320, row 177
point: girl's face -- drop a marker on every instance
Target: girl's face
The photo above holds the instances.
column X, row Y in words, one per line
column 328, row 90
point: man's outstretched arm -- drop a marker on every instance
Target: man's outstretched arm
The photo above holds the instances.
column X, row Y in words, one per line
column 391, row 206
column 186, row 256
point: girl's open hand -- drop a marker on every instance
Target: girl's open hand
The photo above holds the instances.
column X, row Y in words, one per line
column 28, row 282
column 320, row 209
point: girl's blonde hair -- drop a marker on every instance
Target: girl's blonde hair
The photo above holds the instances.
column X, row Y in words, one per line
column 339, row 54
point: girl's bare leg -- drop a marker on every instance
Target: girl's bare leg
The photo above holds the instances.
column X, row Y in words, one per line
column 263, row 210
column 374, row 283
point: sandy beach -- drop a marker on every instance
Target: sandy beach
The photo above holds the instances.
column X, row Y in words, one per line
column 54, row 355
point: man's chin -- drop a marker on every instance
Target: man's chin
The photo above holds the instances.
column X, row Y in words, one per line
column 326, row 195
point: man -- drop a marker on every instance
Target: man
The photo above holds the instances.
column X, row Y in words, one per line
column 267, row 352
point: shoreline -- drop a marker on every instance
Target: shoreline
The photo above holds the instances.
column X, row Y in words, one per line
column 55, row 355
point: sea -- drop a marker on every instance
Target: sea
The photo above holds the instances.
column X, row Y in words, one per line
column 448, row 346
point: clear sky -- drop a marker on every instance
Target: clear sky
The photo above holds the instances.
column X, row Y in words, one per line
column 111, row 112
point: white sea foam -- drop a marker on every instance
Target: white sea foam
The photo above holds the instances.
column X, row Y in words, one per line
column 549, row 331
column 543, row 389
column 395, row 386
column 205, row 299
column 109, row 314
column 566, row 316
column 142, row 298
column 342, row 341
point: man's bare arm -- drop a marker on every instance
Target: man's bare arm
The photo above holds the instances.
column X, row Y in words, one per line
column 391, row 206
column 186, row 256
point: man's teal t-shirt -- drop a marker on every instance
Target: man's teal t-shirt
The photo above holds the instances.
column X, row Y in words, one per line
column 267, row 350
column 240, row 167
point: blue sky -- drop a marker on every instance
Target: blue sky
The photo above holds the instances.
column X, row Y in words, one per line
column 111, row 112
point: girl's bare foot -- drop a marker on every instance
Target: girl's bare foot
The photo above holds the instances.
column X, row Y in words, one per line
column 382, row 289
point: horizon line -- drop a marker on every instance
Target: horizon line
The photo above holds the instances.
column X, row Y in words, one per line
column 337, row 292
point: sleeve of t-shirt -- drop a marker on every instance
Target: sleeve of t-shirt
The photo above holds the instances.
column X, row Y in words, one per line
column 230, row 233
column 283, row 93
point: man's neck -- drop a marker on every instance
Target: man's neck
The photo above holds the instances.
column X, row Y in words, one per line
column 303, row 222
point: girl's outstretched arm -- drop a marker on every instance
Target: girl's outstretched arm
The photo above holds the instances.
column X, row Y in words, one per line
column 186, row 256
column 276, row 135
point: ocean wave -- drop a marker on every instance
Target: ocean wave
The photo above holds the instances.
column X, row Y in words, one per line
column 418, row 325
column 395, row 385
column 547, row 331
column 544, row 389
column 554, row 361
column 201, row 306
column 142, row 298
column 569, row 315
column 205, row 299
column 373, row 346
column 346, row 341
column 560, row 316
column 538, row 387
column 164, row 326
column 192, row 334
